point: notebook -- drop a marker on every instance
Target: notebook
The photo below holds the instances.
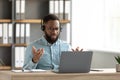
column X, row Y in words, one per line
column 75, row 62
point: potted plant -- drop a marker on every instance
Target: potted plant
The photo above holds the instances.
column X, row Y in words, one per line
column 117, row 58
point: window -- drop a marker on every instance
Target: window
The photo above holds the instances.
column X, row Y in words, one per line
column 96, row 24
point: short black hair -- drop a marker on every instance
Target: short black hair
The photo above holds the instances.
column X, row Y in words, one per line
column 50, row 17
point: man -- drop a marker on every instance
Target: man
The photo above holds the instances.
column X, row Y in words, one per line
column 45, row 52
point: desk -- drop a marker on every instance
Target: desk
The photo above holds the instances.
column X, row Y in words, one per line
column 107, row 74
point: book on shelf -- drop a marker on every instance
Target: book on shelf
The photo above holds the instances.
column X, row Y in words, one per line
column 19, row 56
column 67, row 10
column 17, row 37
column 20, row 9
column 10, row 33
column 22, row 33
column 5, row 33
column 1, row 33
column 61, row 8
column 6, row 28
column 17, row 9
column 27, row 33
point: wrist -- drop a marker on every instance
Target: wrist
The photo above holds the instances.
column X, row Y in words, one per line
column 34, row 60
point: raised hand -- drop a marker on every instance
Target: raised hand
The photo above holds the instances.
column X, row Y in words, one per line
column 37, row 54
column 77, row 49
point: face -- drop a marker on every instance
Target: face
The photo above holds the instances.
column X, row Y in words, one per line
column 52, row 31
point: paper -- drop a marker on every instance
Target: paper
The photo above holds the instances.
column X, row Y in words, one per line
column 32, row 70
column 20, row 71
column 38, row 70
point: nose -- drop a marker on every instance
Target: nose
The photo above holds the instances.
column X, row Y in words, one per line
column 54, row 31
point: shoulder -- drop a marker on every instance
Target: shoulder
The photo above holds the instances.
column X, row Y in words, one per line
column 34, row 43
column 64, row 44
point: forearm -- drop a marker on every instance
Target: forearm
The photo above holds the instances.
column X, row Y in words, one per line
column 29, row 65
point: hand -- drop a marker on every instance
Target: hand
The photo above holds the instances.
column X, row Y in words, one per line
column 77, row 49
column 37, row 54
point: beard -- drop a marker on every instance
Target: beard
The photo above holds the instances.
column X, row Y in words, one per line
column 50, row 39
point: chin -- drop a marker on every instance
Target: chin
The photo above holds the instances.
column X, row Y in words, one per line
column 54, row 38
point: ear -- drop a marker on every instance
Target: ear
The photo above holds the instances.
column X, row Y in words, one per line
column 43, row 27
column 60, row 26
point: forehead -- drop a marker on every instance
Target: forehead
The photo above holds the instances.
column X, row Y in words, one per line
column 53, row 23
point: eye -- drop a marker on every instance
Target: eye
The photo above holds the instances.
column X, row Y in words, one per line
column 56, row 29
column 51, row 29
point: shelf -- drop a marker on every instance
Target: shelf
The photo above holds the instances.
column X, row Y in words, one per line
column 29, row 21
column 5, row 20
column 38, row 21
column 5, row 68
column 64, row 21
column 9, row 45
column 20, row 45
column 5, row 45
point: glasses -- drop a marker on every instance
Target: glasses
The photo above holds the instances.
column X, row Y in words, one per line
column 52, row 29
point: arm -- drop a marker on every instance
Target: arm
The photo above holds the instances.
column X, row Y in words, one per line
column 28, row 64
column 32, row 56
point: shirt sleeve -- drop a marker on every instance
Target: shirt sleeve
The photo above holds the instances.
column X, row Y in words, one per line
column 28, row 64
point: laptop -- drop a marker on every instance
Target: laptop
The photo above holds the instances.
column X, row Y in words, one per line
column 75, row 62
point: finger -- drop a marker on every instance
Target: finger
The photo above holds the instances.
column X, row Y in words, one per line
column 77, row 49
column 81, row 50
column 73, row 50
column 40, row 51
column 33, row 50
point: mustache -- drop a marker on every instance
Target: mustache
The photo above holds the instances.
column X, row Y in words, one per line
column 50, row 40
